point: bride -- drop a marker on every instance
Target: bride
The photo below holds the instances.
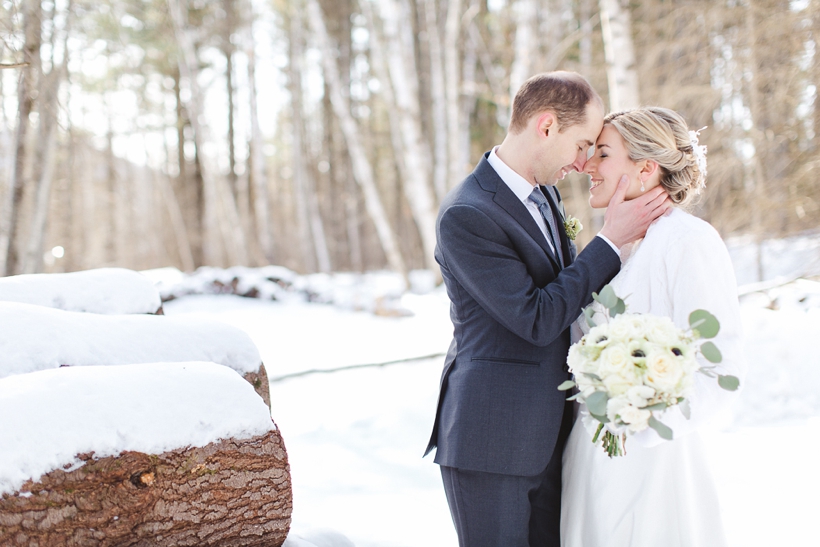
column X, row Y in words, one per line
column 660, row 492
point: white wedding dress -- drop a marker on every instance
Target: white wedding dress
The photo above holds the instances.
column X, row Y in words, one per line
column 661, row 493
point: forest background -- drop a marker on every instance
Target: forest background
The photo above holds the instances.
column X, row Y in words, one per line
column 321, row 135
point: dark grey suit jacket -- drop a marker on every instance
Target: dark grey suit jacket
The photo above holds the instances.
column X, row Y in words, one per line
column 499, row 410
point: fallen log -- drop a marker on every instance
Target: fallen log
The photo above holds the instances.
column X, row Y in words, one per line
column 169, row 454
column 103, row 290
column 40, row 338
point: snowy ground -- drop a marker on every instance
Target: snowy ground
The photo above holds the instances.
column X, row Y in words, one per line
column 355, row 437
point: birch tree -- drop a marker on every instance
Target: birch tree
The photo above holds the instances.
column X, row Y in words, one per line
column 231, row 227
column 362, row 170
column 619, row 50
column 399, row 57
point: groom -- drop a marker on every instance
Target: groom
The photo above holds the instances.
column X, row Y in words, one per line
column 515, row 287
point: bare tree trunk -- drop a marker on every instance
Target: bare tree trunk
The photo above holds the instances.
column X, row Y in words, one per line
column 621, row 72
column 406, row 117
column 186, row 257
column 525, row 44
column 362, row 170
column 452, row 52
column 10, row 214
column 438, row 93
column 258, row 171
column 235, row 244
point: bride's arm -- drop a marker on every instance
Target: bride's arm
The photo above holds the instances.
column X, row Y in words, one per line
column 700, row 275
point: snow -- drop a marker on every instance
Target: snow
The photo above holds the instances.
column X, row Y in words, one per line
column 355, row 437
column 38, row 338
column 104, row 290
column 151, row 408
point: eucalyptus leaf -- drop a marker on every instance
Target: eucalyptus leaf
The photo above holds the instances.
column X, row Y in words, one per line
column 685, row 409
column 569, row 384
column 592, row 376
column 596, row 403
column 607, row 297
column 588, row 313
column 619, row 308
column 574, row 396
column 602, row 419
column 729, row 383
column 657, row 406
column 711, row 352
column 707, row 372
column 664, row 431
column 706, row 324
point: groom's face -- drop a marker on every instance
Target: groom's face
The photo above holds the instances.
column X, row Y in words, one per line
column 565, row 149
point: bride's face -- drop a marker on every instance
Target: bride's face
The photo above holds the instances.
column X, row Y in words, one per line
column 606, row 167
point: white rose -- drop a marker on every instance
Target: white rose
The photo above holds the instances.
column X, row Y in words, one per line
column 614, row 406
column 663, row 371
column 639, row 396
column 616, row 359
column 616, row 384
column 624, row 328
column 636, row 418
column 661, row 330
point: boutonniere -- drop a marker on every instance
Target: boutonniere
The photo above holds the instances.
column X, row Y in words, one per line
column 572, row 226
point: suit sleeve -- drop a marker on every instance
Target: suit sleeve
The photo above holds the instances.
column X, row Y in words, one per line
column 482, row 257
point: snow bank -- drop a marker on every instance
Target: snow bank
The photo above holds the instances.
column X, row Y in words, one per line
column 105, row 290
column 150, row 408
column 378, row 292
column 36, row 338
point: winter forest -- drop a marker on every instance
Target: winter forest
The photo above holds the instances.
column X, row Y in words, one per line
column 321, row 135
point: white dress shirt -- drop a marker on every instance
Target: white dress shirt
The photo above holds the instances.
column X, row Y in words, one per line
column 522, row 190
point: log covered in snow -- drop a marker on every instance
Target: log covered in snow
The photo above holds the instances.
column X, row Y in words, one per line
column 154, row 454
column 39, row 338
column 103, row 290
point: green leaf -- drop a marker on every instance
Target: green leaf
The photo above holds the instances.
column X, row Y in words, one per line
column 657, row 406
column 686, row 409
column 711, row 352
column 619, row 308
column 596, row 403
column 729, row 383
column 602, row 419
column 662, row 430
column 706, row 324
column 607, row 297
column 574, row 396
column 569, row 384
column 588, row 313
column 592, row 376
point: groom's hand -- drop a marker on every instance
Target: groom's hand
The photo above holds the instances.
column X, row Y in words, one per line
column 626, row 221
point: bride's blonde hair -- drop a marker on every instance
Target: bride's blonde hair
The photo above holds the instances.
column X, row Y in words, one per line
column 661, row 135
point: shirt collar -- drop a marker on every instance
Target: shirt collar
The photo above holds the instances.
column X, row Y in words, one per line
column 518, row 184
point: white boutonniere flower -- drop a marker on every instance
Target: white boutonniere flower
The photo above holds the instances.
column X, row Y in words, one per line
column 572, row 226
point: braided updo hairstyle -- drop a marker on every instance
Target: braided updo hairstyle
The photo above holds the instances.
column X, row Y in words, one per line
column 661, row 135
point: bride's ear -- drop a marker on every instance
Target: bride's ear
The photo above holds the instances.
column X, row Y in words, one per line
column 649, row 168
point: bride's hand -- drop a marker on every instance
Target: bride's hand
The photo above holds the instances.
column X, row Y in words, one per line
column 627, row 221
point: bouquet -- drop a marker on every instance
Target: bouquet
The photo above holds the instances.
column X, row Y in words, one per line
column 633, row 366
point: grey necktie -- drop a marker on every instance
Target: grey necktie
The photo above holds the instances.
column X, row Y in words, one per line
column 538, row 197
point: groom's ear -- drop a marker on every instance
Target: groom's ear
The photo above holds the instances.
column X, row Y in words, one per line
column 547, row 122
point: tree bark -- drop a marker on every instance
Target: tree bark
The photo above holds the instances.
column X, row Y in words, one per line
column 228, row 493
column 452, row 52
column 621, row 72
column 10, row 214
column 362, row 170
column 438, row 95
column 524, row 45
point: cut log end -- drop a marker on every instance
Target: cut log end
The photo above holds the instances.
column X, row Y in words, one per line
column 228, row 493
column 259, row 381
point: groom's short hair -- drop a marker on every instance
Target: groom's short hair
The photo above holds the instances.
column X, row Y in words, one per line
column 567, row 94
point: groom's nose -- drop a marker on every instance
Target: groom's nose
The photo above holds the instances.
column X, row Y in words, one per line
column 580, row 161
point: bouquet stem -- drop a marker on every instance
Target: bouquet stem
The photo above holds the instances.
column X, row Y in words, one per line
column 614, row 445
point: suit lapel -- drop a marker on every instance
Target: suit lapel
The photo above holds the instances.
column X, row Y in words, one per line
column 507, row 200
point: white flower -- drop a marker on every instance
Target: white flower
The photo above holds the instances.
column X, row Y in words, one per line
column 639, row 396
column 624, row 327
column 663, row 371
column 636, row 418
column 661, row 330
column 614, row 406
column 616, row 384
